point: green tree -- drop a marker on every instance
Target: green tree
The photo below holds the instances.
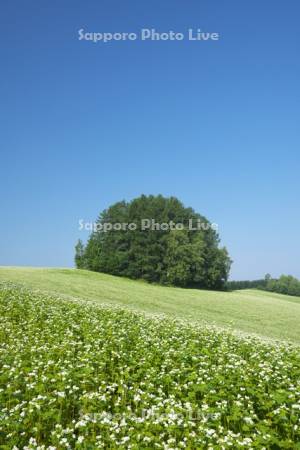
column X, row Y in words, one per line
column 286, row 284
column 79, row 255
column 180, row 257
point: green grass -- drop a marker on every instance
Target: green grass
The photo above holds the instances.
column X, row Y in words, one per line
column 249, row 311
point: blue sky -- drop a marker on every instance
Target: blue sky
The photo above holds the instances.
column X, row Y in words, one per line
column 214, row 123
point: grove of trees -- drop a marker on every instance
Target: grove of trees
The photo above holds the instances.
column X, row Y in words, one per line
column 285, row 284
column 181, row 257
column 246, row 284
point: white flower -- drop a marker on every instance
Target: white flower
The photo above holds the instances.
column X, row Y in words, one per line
column 248, row 420
column 61, row 394
column 210, row 432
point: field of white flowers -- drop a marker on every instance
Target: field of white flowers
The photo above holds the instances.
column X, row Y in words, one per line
column 81, row 376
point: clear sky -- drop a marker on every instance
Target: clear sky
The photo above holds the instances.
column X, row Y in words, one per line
column 86, row 124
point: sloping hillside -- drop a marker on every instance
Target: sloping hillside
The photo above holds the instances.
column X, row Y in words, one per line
column 250, row 311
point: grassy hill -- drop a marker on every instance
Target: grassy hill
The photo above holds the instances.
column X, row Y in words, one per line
column 88, row 369
column 249, row 311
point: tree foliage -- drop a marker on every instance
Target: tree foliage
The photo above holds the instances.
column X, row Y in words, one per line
column 79, row 255
column 286, row 284
column 186, row 257
column 246, row 284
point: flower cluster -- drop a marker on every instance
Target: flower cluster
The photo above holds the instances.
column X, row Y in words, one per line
column 83, row 376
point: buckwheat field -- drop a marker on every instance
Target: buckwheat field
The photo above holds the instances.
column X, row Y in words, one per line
column 75, row 375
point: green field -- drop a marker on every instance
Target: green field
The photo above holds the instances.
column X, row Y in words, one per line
column 248, row 311
column 87, row 376
column 91, row 361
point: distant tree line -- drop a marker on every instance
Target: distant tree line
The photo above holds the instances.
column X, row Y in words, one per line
column 181, row 257
column 246, row 284
column 285, row 284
